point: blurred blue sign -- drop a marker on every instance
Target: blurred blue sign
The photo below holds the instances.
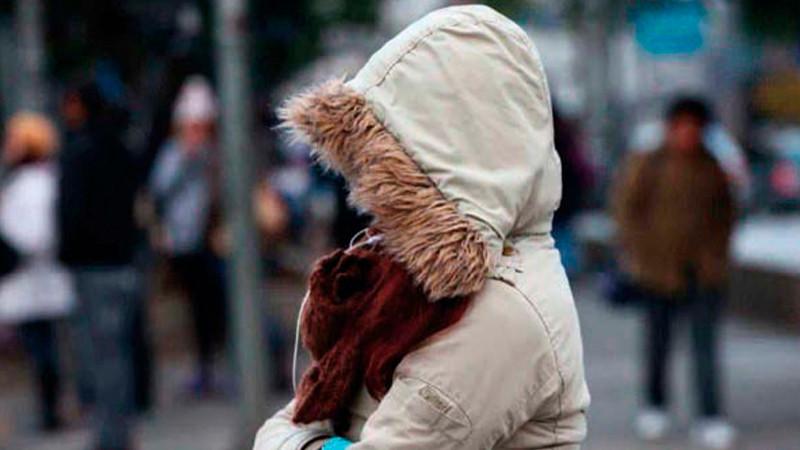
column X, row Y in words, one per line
column 674, row 28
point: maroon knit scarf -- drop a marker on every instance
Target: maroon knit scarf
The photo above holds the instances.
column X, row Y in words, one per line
column 363, row 315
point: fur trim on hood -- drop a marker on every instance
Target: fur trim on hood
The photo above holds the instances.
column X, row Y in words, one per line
column 443, row 251
column 446, row 137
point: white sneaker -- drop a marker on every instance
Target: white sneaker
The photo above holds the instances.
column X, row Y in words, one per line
column 714, row 433
column 652, row 424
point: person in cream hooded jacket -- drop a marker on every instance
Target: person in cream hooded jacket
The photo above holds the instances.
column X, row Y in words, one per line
column 446, row 138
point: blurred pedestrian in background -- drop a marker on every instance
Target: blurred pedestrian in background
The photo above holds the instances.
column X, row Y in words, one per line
column 98, row 184
column 675, row 213
column 38, row 291
column 575, row 185
column 184, row 185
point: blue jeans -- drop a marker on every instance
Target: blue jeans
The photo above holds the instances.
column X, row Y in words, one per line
column 108, row 299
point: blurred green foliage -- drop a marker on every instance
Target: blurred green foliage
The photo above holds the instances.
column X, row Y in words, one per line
column 79, row 32
column 286, row 35
column 133, row 35
column 511, row 8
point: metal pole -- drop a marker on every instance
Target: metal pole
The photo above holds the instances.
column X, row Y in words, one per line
column 245, row 304
column 28, row 17
column 599, row 18
column 8, row 72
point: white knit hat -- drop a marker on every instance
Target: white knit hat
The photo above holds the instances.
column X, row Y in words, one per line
column 196, row 101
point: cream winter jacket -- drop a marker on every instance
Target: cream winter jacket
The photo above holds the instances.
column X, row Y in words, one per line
column 446, row 138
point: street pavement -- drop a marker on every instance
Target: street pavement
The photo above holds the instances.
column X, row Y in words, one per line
column 762, row 386
column 762, row 380
column 178, row 422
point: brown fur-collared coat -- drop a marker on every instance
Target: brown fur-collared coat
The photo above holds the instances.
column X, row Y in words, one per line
column 675, row 215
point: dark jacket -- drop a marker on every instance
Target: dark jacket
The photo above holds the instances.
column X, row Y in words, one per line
column 97, row 186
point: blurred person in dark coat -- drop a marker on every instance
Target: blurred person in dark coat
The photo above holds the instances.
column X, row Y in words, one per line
column 98, row 184
column 575, row 181
column 37, row 292
column 675, row 212
column 184, row 186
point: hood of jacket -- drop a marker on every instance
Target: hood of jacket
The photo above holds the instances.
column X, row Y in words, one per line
column 445, row 137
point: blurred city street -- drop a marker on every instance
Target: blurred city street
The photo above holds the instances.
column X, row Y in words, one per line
column 762, row 380
column 172, row 171
column 175, row 424
column 761, row 364
column 178, row 420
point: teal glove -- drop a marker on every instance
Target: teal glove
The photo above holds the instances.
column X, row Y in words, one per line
column 337, row 443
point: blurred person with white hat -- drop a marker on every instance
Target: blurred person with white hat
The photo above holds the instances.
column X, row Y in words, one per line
column 184, row 187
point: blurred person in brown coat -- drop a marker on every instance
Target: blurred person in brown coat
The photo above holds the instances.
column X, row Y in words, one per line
column 675, row 212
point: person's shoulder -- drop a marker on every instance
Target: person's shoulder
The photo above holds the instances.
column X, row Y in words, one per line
column 32, row 184
column 711, row 160
column 503, row 306
column 633, row 164
column 497, row 360
column 170, row 145
column 499, row 326
column 32, row 175
column 638, row 158
column 169, row 152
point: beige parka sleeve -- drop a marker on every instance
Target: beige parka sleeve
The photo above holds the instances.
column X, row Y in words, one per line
column 280, row 433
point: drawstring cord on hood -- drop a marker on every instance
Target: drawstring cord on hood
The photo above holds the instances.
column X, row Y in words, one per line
column 297, row 341
column 354, row 244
